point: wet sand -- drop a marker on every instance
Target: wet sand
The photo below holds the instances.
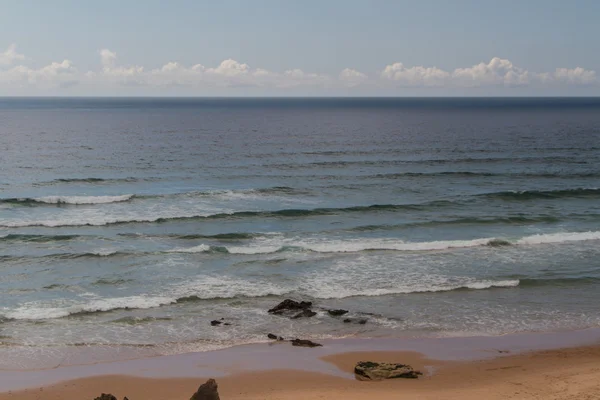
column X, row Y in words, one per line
column 486, row 372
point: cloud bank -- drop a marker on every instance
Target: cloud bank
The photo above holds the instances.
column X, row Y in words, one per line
column 230, row 73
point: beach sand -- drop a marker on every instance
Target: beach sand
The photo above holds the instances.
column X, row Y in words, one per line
column 569, row 373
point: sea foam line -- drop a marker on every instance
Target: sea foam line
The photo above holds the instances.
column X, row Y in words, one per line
column 359, row 245
column 209, row 288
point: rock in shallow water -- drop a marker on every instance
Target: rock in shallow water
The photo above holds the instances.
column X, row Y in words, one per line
column 207, row 391
column 290, row 305
column 275, row 337
column 357, row 321
column 373, row 371
column 305, row 343
column 305, row 314
column 337, row 313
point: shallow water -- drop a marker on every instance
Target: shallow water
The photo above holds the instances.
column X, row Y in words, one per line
column 136, row 221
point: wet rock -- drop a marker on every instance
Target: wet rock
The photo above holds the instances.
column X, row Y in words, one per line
column 337, row 313
column 305, row 314
column 290, row 305
column 361, row 321
column 305, row 343
column 207, row 391
column 215, row 323
column 105, row 396
column 275, row 337
column 373, row 371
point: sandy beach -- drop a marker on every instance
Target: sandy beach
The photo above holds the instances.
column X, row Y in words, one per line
column 567, row 373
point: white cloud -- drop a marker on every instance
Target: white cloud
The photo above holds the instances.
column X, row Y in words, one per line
column 230, row 73
column 229, row 68
column 415, row 76
column 10, row 55
column 352, row 77
column 114, row 73
column 497, row 72
column 108, row 58
column 578, row 76
column 53, row 75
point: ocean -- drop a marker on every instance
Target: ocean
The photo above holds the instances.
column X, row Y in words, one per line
column 131, row 223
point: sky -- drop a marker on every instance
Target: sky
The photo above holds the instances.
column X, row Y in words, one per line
column 300, row 48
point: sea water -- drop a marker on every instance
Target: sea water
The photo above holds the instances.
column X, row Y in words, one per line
column 135, row 222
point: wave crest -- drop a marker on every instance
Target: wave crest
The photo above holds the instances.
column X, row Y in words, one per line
column 74, row 200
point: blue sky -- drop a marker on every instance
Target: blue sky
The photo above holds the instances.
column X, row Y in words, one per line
column 300, row 47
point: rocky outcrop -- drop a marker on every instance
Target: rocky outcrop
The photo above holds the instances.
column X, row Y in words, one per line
column 105, row 396
column 290, row 306
column 337, row 313
column 305, row 314
column 305, row 343
column 373, row 371
column 207, row 391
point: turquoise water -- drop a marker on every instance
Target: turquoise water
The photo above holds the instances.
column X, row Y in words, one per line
column 134, row 222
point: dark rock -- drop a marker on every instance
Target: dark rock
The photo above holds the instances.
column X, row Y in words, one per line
column 361, row 321
column 290, row 305
column 275, row 337
column 305, row 343
column 337, row 313
column 215, row 323
column 227, row 324
column 305, row 314
column 372, row 371
column 207, row 391
column 105, row 396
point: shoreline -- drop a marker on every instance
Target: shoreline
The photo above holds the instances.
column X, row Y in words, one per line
column 263, row 359
column 571, row 373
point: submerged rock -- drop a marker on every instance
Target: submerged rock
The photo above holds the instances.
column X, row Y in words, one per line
column 305, row 314
column 305, row 343
column 207, row 391
column 290, row 305
column 275, row 337
column 373, row 371
column 337, row 313
column 215, row 323
column 361, row 321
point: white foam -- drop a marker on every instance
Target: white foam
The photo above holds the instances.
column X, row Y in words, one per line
column 350, row 246
column 560, row 237
column 83, row 199
column 210, row 287
column 207, row 287
column 37, row 311
column 258, row 249
column 364, row 244
column 202, row 248
column 338, row 292
column 104, row 252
